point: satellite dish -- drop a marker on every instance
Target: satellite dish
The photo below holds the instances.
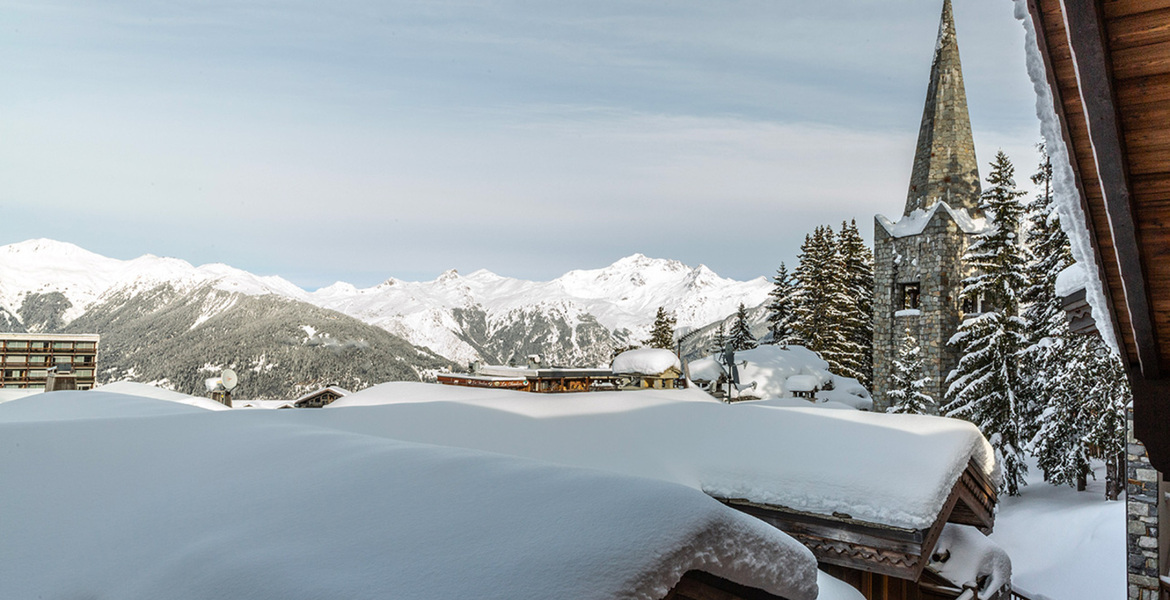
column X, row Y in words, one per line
column 229, row 379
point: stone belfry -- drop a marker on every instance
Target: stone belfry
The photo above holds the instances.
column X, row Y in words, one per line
column 918, row 266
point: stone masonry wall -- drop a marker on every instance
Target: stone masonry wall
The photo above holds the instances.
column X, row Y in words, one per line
column 932, row 258
column 1141, row 499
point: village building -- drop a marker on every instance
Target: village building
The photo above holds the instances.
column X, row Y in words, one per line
column 26, row 359
column 532, row 378
column 653, row 368
column 321, row 397
column 872, row 519
column 1102, row 74
column 918, row 259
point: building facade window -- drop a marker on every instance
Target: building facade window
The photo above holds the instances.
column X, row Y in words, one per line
column 908, row 295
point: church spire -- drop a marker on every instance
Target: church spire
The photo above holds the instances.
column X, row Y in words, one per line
column 944, row 162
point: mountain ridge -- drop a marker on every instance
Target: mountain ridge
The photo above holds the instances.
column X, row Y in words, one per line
column 579, row 317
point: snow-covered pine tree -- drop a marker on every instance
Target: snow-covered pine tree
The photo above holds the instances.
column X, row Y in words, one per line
column 1060, row 443
column 821, row 302
column 780, row 331
column 1048, row 333
column 662, row 332
column 741, row 337
column 858, row 262
column 1105, row 405
column 719, row 342
column 985, row 386
column 907, row 381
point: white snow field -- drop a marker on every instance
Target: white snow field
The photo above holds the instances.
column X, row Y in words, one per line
column 1064, row 544
column 888, row 469
column 109, row 495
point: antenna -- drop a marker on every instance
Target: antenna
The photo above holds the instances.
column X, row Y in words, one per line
column 229, row 379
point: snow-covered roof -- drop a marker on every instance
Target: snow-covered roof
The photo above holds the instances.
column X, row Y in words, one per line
column 973, row 561
column 13, row 394
column 705, row 369
column 801, row 383
column 1065, row 195
column 772, row 367
column 645, row 361
column 133, row 506
column 809, row 459
column 340, row 391
column 145, row 390
column 1071, row 279
column 915, row 222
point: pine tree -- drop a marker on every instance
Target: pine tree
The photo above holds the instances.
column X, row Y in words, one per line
column 741, row 337
column 1105, row 406
column 780, row 309
column 662, row 332
column 821, row 302
column 1060, row 443
column 857, row 259
column 1050, row 252
column 719, row 342
column 907, row 381
column 985, row 386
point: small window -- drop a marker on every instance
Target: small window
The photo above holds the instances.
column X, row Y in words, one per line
column 975, row 306
column 37, row 359
column 85, row 345
column 909, row 295
column 15, row 345
column 16, row 360
column 62, row 345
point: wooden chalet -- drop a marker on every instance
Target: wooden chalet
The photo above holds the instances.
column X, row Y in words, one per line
column 1107, row 70
column 320, row 398
column 666, row 380
column 885, row 562
column 533, row 379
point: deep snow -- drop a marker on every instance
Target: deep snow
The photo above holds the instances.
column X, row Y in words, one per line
column 160, row 499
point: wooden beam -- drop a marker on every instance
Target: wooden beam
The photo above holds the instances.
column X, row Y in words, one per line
column 1090, row 54
column 1151, row 412
column 1054, row 87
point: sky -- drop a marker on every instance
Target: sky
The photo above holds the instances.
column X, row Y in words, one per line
column 357, row 141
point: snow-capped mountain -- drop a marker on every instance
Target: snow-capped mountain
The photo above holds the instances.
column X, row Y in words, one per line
column 578, row 318
column 484, row 316
column 45, row 266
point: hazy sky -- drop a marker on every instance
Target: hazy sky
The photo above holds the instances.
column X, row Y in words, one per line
column 356, row 141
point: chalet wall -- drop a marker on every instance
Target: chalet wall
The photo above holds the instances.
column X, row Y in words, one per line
column 1141, row 535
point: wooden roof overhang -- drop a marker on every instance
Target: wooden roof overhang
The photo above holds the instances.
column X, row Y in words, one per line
column 875, row 548
column 1108, row 66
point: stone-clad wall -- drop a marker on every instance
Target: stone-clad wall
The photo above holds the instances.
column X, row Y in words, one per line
column 932, row 258
column 1141, row 499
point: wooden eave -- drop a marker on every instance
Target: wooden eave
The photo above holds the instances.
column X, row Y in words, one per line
column 701, row 585
column 1108, row 66
column 876, row 548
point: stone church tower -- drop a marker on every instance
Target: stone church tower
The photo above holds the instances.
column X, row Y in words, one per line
column 918, row 265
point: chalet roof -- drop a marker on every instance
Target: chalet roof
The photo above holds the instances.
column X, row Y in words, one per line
column 541, row 372
column 337, row 390
column 438, row 522
column 1102, row 76
column 646, row 361
column 687, row 437
column 945, row 168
